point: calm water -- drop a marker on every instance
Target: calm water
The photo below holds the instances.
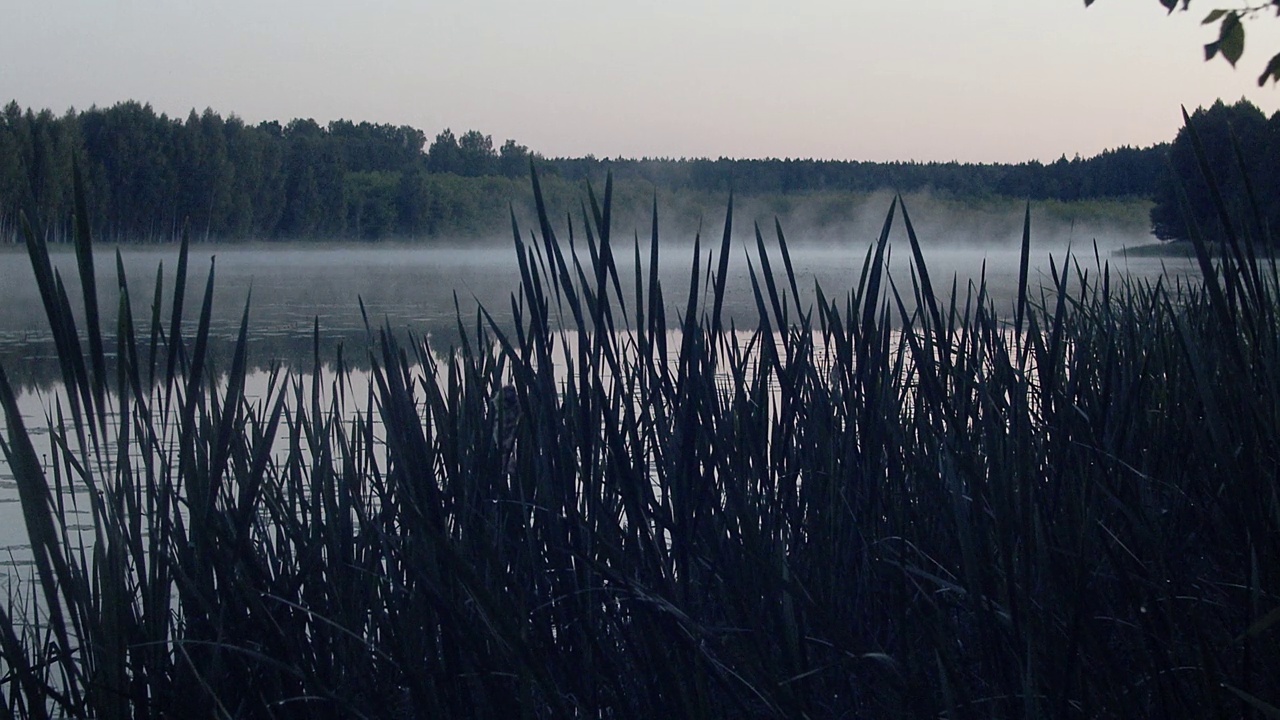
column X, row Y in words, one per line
column 413, row 289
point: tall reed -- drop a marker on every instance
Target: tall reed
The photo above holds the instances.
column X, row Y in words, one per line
column 896, row 503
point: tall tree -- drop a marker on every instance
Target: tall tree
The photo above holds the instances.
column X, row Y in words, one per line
column 513, row 159
column 13, row 180
column 444, row 156
column 205, row 189
column 1215, row 127
column 476, row 154
column 131, row 155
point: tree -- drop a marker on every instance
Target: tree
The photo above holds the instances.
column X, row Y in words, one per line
column 443, row 155
column 476, row 154
column 1215, row 128
column 13, row 181
column 1230, row 42
column 205, row 173
column 131, row 158
column 513, row 159
column 369, row 147
column 371, row 203
column 315, row 193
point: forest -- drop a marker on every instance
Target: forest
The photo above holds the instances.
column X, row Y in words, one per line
column 149, row 176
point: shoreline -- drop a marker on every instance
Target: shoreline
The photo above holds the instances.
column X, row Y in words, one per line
column 1172, row 248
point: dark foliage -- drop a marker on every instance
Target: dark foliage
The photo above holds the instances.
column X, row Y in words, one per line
column 892, row 504
column 147, row 176
column 1242, row 150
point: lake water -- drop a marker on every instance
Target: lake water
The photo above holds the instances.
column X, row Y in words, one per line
column 412, row 289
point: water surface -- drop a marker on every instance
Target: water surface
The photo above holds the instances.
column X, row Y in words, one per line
column 292, row 289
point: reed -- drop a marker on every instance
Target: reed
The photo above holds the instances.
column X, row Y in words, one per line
column 896, row 503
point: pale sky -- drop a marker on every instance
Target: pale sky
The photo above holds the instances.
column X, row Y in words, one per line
column 968, row 80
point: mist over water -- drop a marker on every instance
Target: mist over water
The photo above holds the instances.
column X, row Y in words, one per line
column 413, row 288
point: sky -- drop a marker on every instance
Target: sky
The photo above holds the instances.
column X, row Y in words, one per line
column 879, row 80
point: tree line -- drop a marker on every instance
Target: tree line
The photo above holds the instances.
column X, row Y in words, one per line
column 148, row 176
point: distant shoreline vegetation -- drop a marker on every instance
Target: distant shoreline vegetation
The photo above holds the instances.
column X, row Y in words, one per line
column 149, row 176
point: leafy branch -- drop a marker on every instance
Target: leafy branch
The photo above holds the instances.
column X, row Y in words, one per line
column 1230, row 42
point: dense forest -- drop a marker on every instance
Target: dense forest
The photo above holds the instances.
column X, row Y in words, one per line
column 148, row 176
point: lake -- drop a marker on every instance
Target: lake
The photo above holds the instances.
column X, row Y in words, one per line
column 412, row 289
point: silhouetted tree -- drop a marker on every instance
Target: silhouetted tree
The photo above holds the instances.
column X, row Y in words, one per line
column 1171, row 218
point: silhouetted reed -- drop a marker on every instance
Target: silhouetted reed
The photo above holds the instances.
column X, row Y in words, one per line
column 898, row 503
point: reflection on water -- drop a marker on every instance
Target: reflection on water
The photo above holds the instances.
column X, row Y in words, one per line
column 411, row 290
column 414, row 289
column 38, row 410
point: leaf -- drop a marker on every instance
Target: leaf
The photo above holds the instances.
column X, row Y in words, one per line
column 1262, row 624
column 1258, row 704
column 1214, row 16
column 1231, row 38
column 1170, row 4
column 1272, row 72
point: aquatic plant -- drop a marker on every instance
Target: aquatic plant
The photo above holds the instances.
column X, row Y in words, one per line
column 893, row 504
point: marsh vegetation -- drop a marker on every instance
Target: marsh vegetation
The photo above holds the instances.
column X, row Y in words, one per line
column 911, row 500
